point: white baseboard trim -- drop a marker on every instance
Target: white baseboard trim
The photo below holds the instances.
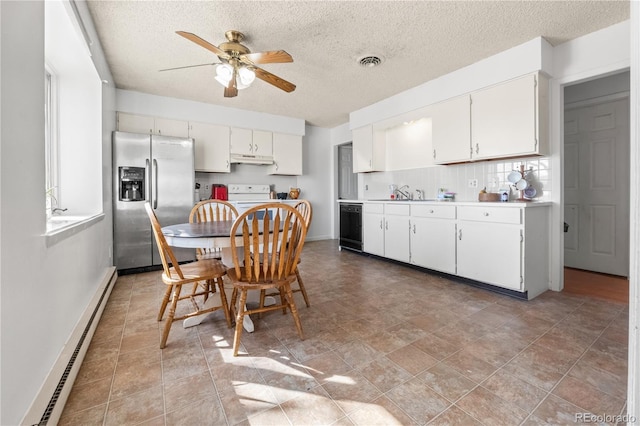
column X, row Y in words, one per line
column 48, row 404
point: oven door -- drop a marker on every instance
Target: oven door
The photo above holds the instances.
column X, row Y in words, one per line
column 243, row 206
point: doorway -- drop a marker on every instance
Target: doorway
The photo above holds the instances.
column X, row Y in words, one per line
column 347, row 180
column 596, row 182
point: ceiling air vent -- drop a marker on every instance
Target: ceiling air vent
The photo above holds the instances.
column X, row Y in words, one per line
column 370, row 61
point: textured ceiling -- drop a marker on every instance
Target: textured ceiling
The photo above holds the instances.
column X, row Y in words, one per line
column 418, row 40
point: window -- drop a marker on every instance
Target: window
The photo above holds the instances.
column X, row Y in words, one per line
column 51, row 143
column 73, row 113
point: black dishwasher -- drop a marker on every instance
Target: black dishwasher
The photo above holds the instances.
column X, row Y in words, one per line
column 351, row 226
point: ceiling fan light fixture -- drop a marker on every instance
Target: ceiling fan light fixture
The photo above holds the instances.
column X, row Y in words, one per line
column 245, row 77
column 224, row 73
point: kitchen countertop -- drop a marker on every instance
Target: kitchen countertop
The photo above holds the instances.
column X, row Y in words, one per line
column 513, row 203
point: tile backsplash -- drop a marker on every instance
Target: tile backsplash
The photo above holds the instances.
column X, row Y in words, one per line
column 491, row 175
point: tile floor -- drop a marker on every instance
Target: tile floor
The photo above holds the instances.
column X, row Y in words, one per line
column 385, row 344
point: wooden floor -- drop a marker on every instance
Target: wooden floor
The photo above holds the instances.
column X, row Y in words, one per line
column 601, row 286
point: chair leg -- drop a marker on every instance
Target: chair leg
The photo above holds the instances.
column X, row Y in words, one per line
column 232, row 305
column 283, row 300
column 223, row 300
column 262, row 296
column 172, row 313
column 165, row 301
column 302, row 289
column 294, row 310
column 239, row 320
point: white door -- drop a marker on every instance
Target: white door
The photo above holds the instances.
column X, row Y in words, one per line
column 596, row 187
column 347, row 180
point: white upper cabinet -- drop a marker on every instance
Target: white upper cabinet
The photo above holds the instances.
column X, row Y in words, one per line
column 251, row 142
column 451, row 121
column 510, row 119
column 262, row 143
column 368, row 150
column 287, row 155
column 152, row 125
column 211, row 147
column 241, row 141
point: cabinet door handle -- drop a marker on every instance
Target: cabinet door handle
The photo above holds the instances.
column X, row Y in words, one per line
column 477, row 148
column 227, row 164
column 486, row 214
column 414, row 228
column 250, row 147
column 386, row 225
column 460, row 234
column 255, row 147
column 434, row 154
column 431, row 211
column 380, row 223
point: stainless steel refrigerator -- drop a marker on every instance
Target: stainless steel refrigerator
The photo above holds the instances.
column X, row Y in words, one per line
column 154, row 169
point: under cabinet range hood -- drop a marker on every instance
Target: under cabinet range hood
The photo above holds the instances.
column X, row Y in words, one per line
column 251, row 159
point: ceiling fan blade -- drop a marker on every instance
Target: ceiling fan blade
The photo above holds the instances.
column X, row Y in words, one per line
column 189, row 66
column 274, row 80
column 270, row 57
column 204, row 43
column 232, row 89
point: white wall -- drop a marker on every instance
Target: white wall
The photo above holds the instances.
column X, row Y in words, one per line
column 44, row 290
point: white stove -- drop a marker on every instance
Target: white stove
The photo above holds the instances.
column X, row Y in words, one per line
column 248, row 192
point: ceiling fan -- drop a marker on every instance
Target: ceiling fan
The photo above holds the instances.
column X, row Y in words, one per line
column 238, row 66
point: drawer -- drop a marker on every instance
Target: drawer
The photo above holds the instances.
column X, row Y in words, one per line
column 491, row 214
column 439, row 211
column 373, row 208
column 396, row 209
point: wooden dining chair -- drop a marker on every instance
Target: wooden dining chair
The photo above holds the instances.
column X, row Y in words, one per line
column 211, row 211
column 198, row 274
column 272, row 238
column 304, row 207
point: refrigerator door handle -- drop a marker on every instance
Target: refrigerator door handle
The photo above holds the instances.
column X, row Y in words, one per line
column 155, row 183
column 148, row 180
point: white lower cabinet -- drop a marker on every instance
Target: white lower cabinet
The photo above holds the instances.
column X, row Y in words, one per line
column 373, row 228
column 396, row 232
column 433, row 242
column 386, row 230
column 504, row 246
column 491, row 253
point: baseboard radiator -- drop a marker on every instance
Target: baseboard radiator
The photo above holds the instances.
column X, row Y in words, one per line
column 49, row 403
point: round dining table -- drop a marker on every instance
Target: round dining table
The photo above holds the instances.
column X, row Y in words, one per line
column 209, row 235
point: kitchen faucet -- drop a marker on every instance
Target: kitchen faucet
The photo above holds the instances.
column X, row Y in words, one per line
column 403, row 193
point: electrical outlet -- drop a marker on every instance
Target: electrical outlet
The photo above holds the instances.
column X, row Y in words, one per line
column 473, row 183
column 206, row 186
column 494, row 182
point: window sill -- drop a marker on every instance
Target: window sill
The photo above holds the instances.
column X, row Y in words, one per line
column 62, row 227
